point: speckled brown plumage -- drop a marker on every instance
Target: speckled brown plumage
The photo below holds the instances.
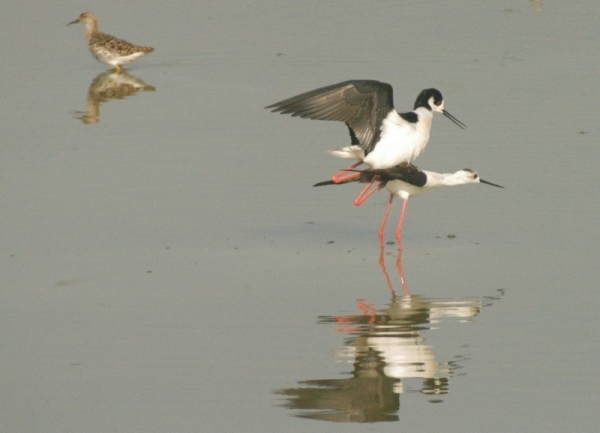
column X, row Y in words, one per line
column 108, row 49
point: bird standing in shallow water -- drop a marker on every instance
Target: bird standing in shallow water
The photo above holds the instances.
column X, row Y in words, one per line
column 380, row 136
column 107, row 49
column 404, row 181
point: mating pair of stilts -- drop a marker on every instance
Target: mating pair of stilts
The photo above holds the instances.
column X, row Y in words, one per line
column 384, row 139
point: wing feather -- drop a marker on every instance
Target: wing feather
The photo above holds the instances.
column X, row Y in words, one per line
column 405, row 172
column 361, row 104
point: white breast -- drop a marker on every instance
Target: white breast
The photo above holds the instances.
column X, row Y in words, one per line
column 400, row 141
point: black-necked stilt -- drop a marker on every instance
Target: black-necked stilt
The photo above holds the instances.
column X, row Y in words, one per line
column 404, row 181
column 380, row 136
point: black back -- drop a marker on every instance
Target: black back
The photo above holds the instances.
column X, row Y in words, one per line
column 405, row 172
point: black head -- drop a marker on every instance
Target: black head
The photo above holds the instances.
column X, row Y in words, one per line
column 426, row 95
column 433, row 100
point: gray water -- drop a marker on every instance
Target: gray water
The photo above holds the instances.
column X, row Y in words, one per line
column 166, row 266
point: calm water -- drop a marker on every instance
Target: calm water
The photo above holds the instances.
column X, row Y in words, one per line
column 165, row 264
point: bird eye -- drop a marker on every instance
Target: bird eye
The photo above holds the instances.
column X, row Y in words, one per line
column 438, row 103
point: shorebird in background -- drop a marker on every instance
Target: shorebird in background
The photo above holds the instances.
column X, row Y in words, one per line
column 106, row 48
column 380, row 136
column 404, row 181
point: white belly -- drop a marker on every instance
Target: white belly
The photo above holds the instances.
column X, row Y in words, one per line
column 403, row 189
column 113, row 59
column 401, row 141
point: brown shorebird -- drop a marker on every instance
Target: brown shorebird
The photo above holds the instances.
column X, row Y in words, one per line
column 106, row 48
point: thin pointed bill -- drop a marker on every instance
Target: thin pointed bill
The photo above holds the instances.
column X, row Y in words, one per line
column 490, row 183
column 73, row 22
column 454, row 119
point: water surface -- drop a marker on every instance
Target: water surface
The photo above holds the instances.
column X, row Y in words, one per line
column 167, row 266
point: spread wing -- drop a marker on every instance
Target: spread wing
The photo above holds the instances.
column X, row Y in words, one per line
column 361, row 104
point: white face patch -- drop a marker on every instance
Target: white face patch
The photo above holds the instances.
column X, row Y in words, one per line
column 436, row 108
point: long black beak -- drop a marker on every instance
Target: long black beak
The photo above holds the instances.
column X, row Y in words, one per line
column 490, row 183
column 73, row 22
column 454, row 119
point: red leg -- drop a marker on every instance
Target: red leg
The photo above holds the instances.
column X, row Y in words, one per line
column 342, row 176
column 385, row 217
column 365, row 193
column 400, row 222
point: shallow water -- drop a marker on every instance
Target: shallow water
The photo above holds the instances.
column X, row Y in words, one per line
column 167, row 266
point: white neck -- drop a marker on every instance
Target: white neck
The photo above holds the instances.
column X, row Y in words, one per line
column 461, row 177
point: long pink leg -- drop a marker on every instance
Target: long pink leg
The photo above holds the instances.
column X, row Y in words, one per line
column 342, row 175
column 365, row 193
column 400, row 222
column 385, row 217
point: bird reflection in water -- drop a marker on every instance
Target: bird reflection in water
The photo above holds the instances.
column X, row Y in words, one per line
column 398, row 267
column 389, row 357
column 107, row 86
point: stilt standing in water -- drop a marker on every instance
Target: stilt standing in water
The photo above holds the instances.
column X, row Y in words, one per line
column 404, row 181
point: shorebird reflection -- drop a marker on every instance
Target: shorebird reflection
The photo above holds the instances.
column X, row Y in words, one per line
column 107, row 86
column 398, row 267
column 387, row 350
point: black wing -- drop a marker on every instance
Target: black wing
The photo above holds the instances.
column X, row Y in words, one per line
column 405, row 172
column 361, row 104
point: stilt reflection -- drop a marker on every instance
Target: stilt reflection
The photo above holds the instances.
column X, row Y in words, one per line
column 106, row 86
column 389, row 357
column 398, row 267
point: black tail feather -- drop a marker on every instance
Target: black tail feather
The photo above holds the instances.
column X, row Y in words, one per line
column 327, row 182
